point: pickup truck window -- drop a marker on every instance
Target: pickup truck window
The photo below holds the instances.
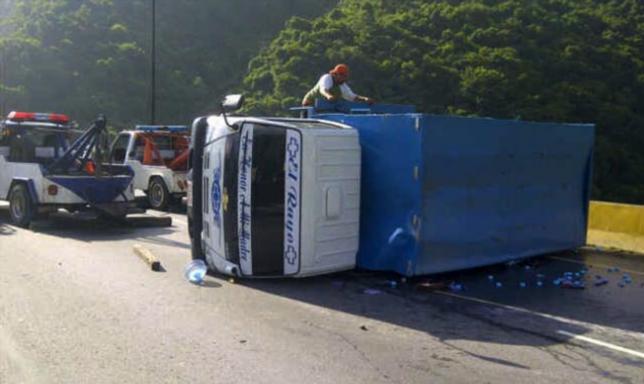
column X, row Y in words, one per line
column 119, row 149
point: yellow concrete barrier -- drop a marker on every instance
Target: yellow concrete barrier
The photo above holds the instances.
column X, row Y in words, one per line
column 616, row 225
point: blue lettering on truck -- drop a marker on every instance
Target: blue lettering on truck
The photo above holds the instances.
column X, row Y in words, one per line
column 244, row 199
column 292, row 202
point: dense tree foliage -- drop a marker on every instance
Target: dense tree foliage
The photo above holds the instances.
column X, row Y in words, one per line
column 545, row 60
column 548, row 60
column 83, row 57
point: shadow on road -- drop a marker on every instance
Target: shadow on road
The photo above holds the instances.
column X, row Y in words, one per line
column 93, row 230
column 6, row 230
column 175, row 207
column 545, row 310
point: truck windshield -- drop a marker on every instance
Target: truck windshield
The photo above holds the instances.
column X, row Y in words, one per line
column 266, row 200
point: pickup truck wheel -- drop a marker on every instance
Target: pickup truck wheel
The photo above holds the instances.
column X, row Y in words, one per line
column 21, row 207
column 158, row 194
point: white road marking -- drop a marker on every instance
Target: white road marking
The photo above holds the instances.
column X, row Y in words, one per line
column 595, row 265
column 616, row 331
column 602, row 343
column 513, row 308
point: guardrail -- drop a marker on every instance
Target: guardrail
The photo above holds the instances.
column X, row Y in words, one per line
column 616, row 225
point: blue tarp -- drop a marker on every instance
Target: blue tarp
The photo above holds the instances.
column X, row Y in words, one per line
column 442, row 193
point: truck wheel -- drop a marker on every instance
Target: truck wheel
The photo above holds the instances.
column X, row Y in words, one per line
column 158, row 195
column 21, row 207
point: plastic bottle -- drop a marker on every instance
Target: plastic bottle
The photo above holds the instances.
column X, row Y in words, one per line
column 195, row 271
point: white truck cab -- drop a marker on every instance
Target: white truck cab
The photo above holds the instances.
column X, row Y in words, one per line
column 40, row 171
column 274, row 197
column 158, row 155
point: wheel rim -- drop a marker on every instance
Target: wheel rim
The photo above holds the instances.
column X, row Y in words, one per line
column 18, row 206
column 156, row 194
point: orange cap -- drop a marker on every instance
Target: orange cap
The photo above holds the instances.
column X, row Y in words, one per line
column 341, row 69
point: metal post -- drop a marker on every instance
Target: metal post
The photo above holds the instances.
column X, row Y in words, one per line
column 153, row 95
column 3, row 70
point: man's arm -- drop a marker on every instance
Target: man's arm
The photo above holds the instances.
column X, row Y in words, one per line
column 364, row 99
column 348, row 94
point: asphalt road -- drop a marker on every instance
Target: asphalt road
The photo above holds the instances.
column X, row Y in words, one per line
column 78, row 306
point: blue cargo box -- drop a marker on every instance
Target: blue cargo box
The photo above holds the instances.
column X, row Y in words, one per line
column 443, row 193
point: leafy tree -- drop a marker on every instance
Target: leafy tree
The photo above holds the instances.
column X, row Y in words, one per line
column 548, row 60
column 85, row 57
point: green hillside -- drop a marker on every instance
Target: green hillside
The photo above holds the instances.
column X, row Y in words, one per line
column 554, row 60
column 544, row 60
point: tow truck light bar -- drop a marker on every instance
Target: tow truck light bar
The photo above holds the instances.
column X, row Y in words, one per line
column 32, row 116
column 162, row 128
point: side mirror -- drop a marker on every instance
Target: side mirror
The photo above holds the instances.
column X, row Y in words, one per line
column 232, row 103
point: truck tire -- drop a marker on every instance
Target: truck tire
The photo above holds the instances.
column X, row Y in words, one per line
column 158, row 194
column 21, row 206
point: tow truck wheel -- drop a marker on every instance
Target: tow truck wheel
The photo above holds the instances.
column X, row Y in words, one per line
column 21, row 207
column 158, row 194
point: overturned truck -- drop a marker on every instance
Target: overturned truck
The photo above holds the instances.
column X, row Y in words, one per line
column 436, row 193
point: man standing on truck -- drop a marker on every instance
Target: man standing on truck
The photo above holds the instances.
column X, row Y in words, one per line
column 332, row 86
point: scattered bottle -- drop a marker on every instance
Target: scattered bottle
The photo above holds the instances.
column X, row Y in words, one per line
column 195, row 271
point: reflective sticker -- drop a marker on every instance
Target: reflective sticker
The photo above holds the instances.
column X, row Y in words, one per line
column 217, row 200
column 216, row 194
column 244, row 199
column 292, row 202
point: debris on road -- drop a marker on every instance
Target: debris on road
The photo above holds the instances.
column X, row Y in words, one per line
column 195, row 271
column 455, row 287
column 372, row 291
column 148, row 257
column 430, row 285
column 573, row 284
column 337, row 284
column 599, row 281
column 570, row 280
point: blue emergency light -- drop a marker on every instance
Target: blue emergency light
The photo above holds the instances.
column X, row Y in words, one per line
column 162, row 128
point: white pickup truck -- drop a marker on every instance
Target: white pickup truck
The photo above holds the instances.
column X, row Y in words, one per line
column 158, row 155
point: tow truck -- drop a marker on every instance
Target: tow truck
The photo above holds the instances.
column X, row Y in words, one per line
column 158, row 155
column 41, row 172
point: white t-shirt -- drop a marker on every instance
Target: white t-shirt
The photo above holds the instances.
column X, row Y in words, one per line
column 326, row 83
